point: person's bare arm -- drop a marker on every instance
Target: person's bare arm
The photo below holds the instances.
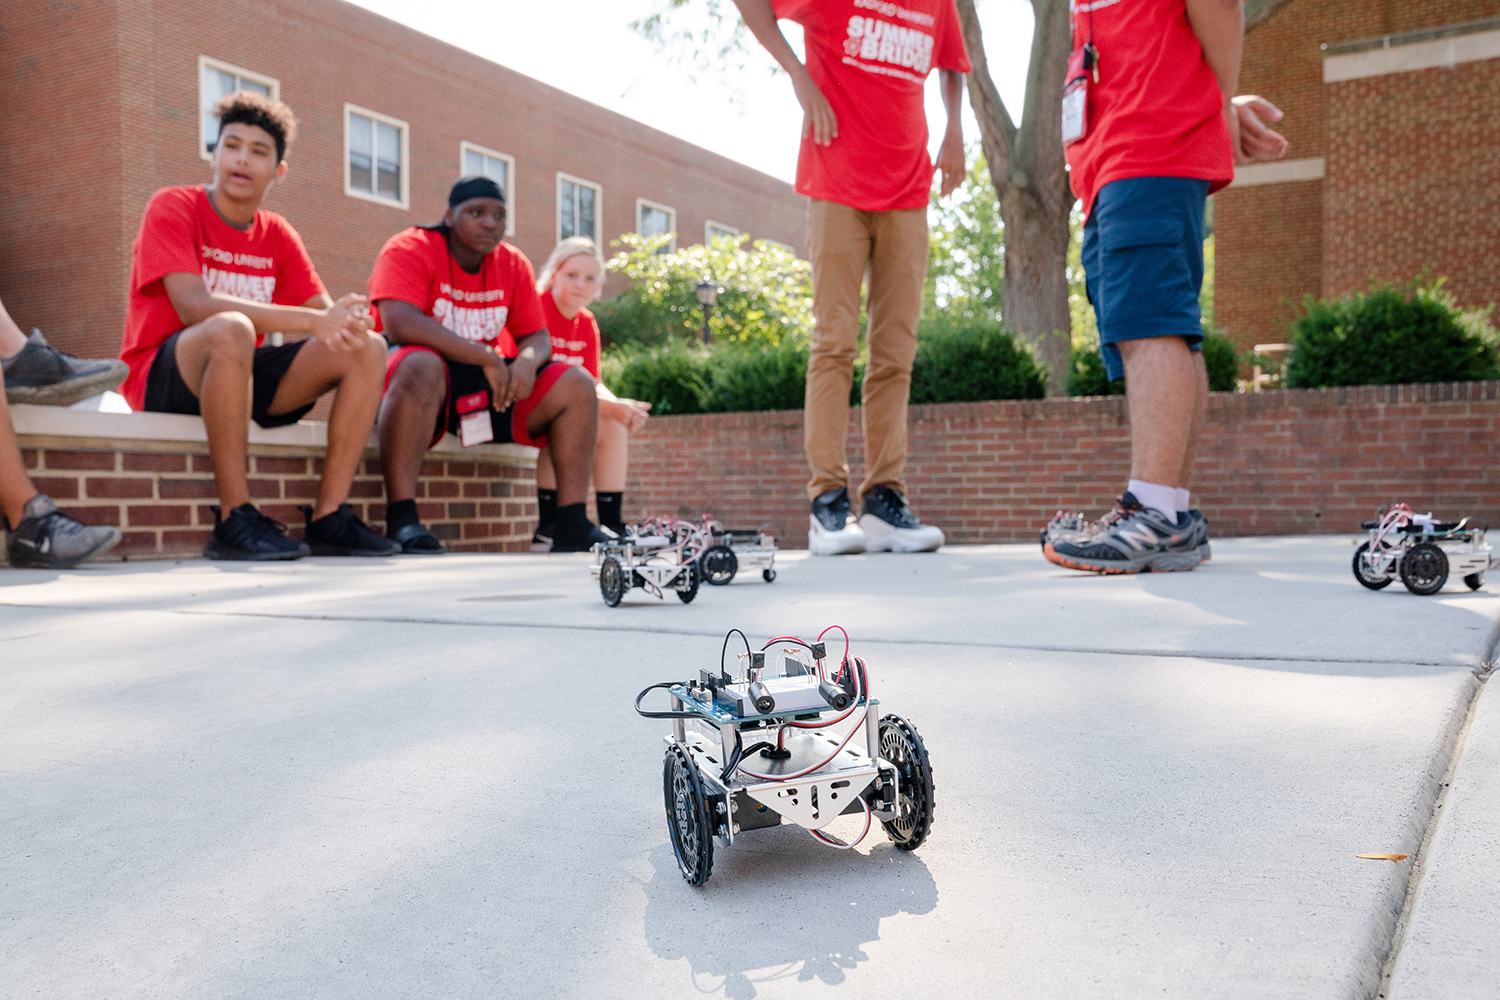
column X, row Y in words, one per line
column 341, row 325
column 409, row 326
column 630, row 412
column 951, row 153
column 533, row 351
column 1220, row 27
column 817, row 115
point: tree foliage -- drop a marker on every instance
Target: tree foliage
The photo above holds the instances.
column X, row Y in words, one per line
column 966, row 249
column 764, row 292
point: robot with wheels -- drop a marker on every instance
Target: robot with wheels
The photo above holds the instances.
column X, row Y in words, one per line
column 1421, row 551
column 657, row 556
column 732, row 551
column 747, row 752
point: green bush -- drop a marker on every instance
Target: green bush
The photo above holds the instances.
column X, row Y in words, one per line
column 1086, row 376
column 1388, row 336
column 960, row 360
column 956, row 361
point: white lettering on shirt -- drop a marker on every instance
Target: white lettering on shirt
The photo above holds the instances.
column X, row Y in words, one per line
column 255, row 287
column 483, row 325
column 894, row 10
column 249, row 260
column 878, row 42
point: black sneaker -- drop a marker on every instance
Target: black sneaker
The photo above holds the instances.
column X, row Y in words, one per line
column 342, row 533
column 1132, row 539
column 831, row 528
column 46, row 538
column 890, row 526
column 247, row 535
column 416, row 540
column 41, row 374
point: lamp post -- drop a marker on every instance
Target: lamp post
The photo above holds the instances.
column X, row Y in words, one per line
column 708, row 293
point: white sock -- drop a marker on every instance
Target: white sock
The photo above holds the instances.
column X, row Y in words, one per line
column 1162, row 499
column 1183, row 501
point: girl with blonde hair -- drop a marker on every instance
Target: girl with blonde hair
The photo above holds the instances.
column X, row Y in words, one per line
column 571, row 279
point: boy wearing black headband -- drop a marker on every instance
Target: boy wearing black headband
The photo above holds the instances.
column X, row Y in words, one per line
column 213, row 274
column 471, row 354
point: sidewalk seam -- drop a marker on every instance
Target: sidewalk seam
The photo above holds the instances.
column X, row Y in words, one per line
column 1418, row 868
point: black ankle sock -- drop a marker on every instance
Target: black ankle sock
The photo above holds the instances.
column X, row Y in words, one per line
column 400, row 514
column 546, row 511
column 573, row 518
column 610, row 506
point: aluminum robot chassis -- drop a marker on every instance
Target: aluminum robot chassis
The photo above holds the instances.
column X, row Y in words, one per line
column 658, row 555
column 745, row 754
column 733, row 551
column 1421, row 552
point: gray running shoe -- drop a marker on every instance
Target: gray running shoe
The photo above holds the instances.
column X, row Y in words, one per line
column 1138, row 540
column 1064, row 524
column 47, row 538
column 43, row 375
column 1205, row 551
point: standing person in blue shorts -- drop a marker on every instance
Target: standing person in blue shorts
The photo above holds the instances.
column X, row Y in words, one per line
column 1152, row 128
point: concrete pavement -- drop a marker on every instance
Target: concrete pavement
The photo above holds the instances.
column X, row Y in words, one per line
column 422, row 778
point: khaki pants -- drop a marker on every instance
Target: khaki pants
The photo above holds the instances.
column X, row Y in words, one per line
column 846, row 246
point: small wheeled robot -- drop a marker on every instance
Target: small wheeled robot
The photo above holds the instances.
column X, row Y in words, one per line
column 733, row 551
column 657, row 555
column 786, row 739
column 1421, row 551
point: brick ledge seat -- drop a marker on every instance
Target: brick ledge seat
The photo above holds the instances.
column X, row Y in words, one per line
column 149, row 475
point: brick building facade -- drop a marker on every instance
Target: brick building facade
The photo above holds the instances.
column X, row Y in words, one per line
column 1393, row 112
column 101, row 103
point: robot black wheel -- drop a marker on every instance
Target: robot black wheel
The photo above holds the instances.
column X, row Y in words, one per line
column 718, row 564
column 901, row 747
column 1474, row 581
column 768, row 575
column 1424, row 569
column 687, row 816
column 611, row 581
column 1362, row 571
column 687, row 593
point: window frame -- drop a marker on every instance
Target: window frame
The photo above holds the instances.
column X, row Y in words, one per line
column 405, row 130
column 208, row 62
column 710, row 224
column 510, row 177
column 598, row 206
column 644, row 203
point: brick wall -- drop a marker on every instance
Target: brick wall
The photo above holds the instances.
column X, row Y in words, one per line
column 101, row 109
column 1268, row 254
column 1413, row 180
column 159, row 493
column 1289, row 462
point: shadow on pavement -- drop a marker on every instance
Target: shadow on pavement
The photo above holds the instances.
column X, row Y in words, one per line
column 780, row 906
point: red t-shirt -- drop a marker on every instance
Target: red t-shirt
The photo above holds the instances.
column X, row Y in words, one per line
column 181, row 232
column 574, row 341
column 1157, row 110
column 870, row 58
column 497, row 306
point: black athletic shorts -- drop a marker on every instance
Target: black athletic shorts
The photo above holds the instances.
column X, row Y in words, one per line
column 509, row 426
column 166, row 392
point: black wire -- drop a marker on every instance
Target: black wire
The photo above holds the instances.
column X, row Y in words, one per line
column 724, row 650
column 662, row 715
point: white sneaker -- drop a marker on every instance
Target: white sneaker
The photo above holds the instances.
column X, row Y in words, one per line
column 890, row 526
column 832, row 530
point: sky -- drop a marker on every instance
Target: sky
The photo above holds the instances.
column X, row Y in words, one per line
column 587, row 48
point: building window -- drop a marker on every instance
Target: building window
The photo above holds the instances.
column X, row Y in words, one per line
column 476, row 160
column 652, row 219
column 712, row 230
column 375, row 156
column 578, row 208
column 218, row 79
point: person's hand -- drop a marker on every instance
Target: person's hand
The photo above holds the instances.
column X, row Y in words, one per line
column 951, row 161
column 343, row 326
column 630, row 412
column 522, row 381
column 1254, row 141
column 497, row 373
column 817, row 114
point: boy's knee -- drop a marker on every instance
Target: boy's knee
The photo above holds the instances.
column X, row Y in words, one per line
column 230, row 333
column 577, row 383
column 420, row 374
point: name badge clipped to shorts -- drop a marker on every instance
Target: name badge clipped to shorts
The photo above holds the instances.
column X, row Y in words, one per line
column 474, row 425
column 1083, row 63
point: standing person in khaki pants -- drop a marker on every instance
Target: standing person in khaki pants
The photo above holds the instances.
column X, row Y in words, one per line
column 865, row 166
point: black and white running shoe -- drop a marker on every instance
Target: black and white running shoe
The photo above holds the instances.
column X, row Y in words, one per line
column 831, row 528
column 247, row 535
column 890, row 526
column 47, row 538
column 1135, row 539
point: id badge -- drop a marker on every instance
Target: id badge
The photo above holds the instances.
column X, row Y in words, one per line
column 1075, row 101
column 474, row 424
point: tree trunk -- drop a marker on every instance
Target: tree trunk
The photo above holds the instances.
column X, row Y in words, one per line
column 1029, row 171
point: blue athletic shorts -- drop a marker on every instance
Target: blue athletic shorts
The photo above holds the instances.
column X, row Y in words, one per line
column 1143, row 262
